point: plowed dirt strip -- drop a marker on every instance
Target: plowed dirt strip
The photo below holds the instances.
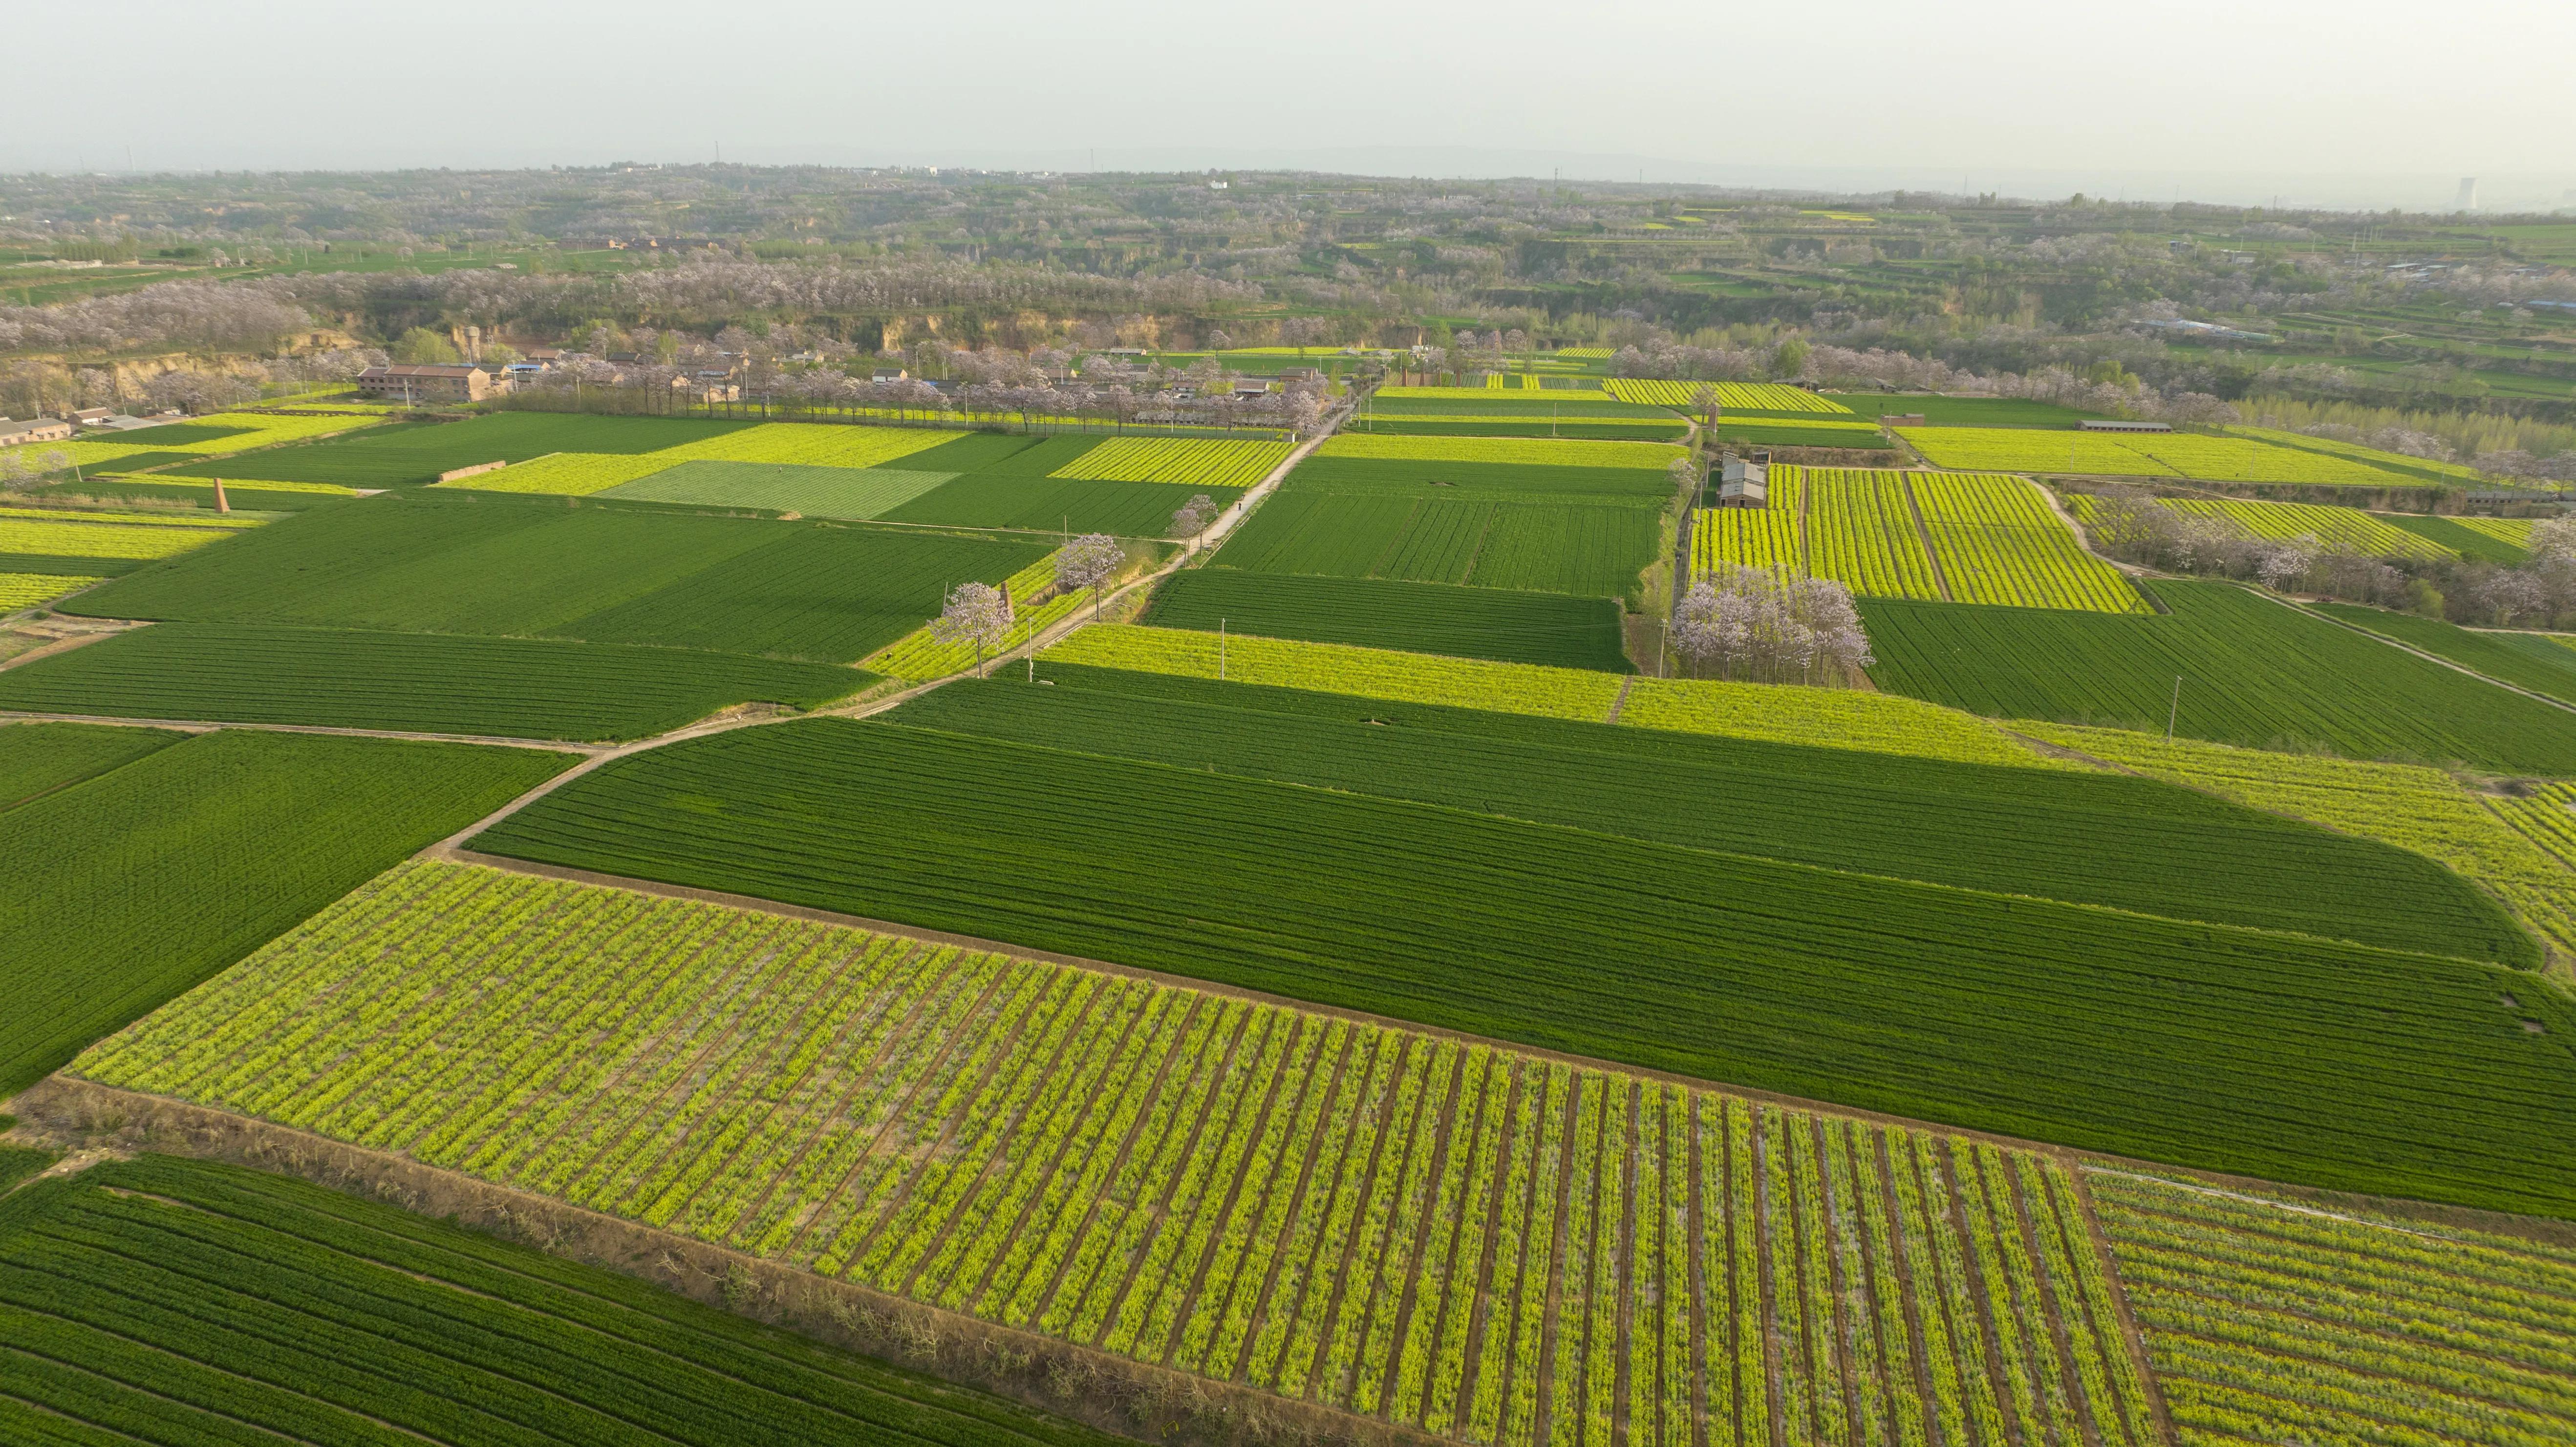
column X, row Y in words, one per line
column 1447, row 1235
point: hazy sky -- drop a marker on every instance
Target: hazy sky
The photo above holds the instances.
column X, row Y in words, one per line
column 2327, row 102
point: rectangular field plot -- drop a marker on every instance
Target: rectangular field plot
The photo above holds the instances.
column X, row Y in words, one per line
column 2252, row 1051
column 1826, row 718
column 1447, row 1237
column 1539, row 424
column 2344, row 529
column 565, row 474
column 26, row 590
column 2273, row 1319
column 1050, row 504
column 1525, row 451
column 855, row 493
column 402, row 455
column 2498, row 540
column 441, row 562
column 809, row 444
column 2253, row 672
column 513, row 687
column 2000, row 542
column 131, row 886
column 1591, row 551
column 1861, row 532
column 1513, row 627
column 2210, row 458
column 2091, row 837
column 1200, row 463
column 57, row 535
column 179, row 1301
column 1748, row 396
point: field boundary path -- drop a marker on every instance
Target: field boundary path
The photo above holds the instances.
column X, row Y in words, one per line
column 2420, row 653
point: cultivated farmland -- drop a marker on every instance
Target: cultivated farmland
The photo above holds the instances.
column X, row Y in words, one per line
column 1743, row 396
column 131, row 886
column 2292, row 1057
column 1985, row 537
column 179, row 1301
column 1540, row 451
column 400, row 455
column 2536, row 661
column 2098, row 838
column 38, row 758
column 2253, row 671
column 2342, row 528
column 1513, row 627
column 1450, row 1237
column 485, row 564
column 854, row 493
column 514, row 687
column 1199, row 463
column 2269, row 1319
column 2229, row 458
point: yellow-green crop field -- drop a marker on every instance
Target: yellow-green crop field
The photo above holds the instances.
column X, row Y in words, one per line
column 26, row 590
column 2392, row 461
column 2201, row 456
column 1486, row 394
column 1780, row 713
column 570, row 474
column 2336, row 527
column 134, row 541
column 809, row 444
column 1204, row 462
column 1456, row 1238
column 2000, row 542
column 1541, row 451
column 1744, row 396
column 1994, row 538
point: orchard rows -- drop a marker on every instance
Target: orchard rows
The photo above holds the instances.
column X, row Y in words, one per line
column 1479, row 1243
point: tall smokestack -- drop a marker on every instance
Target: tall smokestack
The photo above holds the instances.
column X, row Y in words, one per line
column 2468, row 194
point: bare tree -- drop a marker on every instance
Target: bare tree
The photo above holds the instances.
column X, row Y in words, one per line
column 975, row 613
column 1088, row 562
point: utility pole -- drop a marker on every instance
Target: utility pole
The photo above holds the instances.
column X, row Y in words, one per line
column 1220, row 650
column 2174, row 710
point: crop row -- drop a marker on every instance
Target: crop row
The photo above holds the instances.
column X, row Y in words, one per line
column 2267, row 1317
column 1545, row 451
column 2345, row 528
column 26, row 590
column 181, row 1301
column 2425, row 810
column 1456, row 1238
column 1747, row 396
column 1999, row 542
column 1209, row 462
column 1833, row 718
column 1861, row 531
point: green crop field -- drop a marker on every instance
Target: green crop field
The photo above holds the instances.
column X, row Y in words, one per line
column 128, row 887
column 2271, row 1320
column 2536, row 661
column 1590, row 550
column 2515, row 848
column 1053, row 504
column 1496, row 623
column 2252, row 672
column 2097, row 838
column 1453, row 1238
column 474, row 563
column 513, row 687
column 1781, row 432
column 2288, row 1056
column 38, row 758
column 400, row 456
column 1777, row 713
column 1959, row 411
column 856, row 493
column 166, row 1300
